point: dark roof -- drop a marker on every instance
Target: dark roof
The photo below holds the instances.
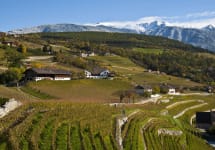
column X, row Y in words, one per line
column 50, row 71
column 143, row 87
column 97, row 70
column 204, row 117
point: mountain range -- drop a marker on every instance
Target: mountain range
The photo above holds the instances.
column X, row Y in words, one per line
column 201, row 37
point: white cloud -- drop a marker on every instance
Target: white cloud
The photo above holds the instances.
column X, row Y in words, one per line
column 194, row 20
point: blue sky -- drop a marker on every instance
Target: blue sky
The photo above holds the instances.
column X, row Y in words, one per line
column 27, row 13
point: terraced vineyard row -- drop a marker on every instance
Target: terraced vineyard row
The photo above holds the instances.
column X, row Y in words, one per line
column 43, row 128
column 65, row 125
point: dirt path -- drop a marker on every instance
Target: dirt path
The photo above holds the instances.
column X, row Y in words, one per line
column 130, row 69
column 153, row 100
column 182, row 102
column 187, row 109
column 38, row 58
column 3, row 68
column 202, row 94
column 119, row 123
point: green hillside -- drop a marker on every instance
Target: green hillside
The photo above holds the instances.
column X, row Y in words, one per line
column 155, row 53
column 102, row 114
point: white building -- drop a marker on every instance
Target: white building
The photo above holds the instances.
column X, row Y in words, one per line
column 97, row 74
column 88, row 54
column 171, row 91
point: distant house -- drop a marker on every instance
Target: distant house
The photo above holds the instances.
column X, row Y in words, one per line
column 9, row 43
column 37, row 74
column 168, row 89
column 205, row 120
column 97, row 73
column 140, row 89
column 88, row 54
column 210, row 89
column 171, row 90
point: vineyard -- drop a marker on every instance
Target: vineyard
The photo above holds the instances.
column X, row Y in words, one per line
column 89, row 126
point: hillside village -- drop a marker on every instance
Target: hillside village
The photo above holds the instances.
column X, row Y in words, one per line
column 66, row 86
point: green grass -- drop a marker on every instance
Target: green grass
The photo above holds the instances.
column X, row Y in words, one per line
column 118, row 64
column 87, row 139
column 9, row 92
column 181, row 107
column 3, row 101
column 81, row 90
column 75, row 137
column 62, row 137
column 3, row 145
column 154, row 79
column 129, row 70
column 45, row 141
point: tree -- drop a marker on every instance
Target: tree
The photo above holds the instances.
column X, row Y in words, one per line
column 156, row 89
column 45, row 48
column 164, row 90
column 11, row 75
column 121, row 97
column 13, row 58
column 212, row 130
column 22, row 48
column 36, row 65
column 131, row 95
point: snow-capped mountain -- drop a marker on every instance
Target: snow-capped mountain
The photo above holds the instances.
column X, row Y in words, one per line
column 198, row 34
column 204, row 37
column 68, row 28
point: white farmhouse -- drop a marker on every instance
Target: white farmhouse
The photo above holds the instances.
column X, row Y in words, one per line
column 97, row 74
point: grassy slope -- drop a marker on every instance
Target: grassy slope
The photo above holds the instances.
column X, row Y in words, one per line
column 127, row 68
column 103, row 90
column 15, row 93
column 82, row 90
column 118, row 64
column 153, row 78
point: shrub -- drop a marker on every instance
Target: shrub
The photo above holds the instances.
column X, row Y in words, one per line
column 212, row 130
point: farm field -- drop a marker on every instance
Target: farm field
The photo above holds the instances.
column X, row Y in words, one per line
column 154, row 78
column 118, row 64
column 82, row 90
column 67, row 125
column 16, row 93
